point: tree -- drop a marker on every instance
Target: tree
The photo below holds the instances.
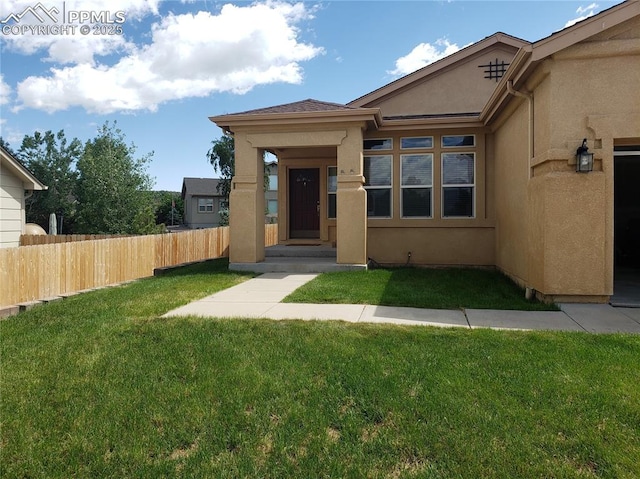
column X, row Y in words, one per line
column 221, row 155
column 169, row 207
column 51, row 159
column 113, row 187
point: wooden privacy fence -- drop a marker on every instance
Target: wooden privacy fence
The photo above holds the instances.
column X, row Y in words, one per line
column 30, row 240
column 29, row 273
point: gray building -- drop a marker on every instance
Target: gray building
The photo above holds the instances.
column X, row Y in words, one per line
column 202, row 202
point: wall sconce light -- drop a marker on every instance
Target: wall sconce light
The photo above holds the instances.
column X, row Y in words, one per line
column 584, row 159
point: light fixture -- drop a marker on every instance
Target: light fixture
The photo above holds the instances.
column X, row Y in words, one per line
column 584, row 159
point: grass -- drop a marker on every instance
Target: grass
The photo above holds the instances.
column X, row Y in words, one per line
column 100, row 386
column 451, row 288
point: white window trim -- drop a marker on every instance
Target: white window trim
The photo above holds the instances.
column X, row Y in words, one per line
column 383, row 187
column 402, row 187
column 463, row 146
column 204, row 208
column 418, row 147
column 460, row 185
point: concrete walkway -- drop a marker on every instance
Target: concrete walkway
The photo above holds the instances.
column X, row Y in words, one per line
column 261, row 297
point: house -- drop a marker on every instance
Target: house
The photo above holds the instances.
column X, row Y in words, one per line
column 16, row 184
column 202, row 202
column 470, row 161
column 271, row 192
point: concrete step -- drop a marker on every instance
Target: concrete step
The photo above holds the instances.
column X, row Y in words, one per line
column 301, row 264
column 300, row 251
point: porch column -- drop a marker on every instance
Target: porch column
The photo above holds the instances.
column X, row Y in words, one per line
column 246, row 204
column 351, row 221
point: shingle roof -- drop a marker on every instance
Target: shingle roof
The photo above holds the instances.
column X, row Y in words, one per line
column 307, row 105
column 200, row 187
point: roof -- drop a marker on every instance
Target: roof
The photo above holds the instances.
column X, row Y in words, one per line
column 200, row 187
column 304, row 111
column 29, row 181
column 307, row 105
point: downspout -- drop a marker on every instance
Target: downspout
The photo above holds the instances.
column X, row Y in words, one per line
column 528, row 96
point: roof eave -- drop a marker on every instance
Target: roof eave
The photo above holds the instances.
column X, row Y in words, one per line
column 432, row 123
column 521, row 63
column 29, row 181
column 530, row 56
column 229, row 122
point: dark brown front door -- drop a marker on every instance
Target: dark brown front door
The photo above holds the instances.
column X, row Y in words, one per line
column 304, row 201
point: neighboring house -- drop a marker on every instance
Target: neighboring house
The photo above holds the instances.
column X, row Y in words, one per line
column 202, row 202
column 469, row 161
column 271, row 194
column 16, row 184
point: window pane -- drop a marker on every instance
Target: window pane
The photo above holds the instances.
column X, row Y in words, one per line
column 377, row 170
column 457, row 168
column 416, row 202
column 272, row 207
column 417, row 142
column 417, row 170
column 458, row 140
column 273, row 182
column 331, row 206
column 379, row 203
column 457, row 201
column 332, row 183
column 205, row 204
column 378, row 144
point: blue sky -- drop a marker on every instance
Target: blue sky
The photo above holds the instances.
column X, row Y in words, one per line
column 166, row 66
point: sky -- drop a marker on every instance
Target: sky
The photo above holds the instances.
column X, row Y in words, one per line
column 159, row 68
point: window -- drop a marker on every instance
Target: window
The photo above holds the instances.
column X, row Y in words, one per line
column 205, row 205
column 272, row 207
column 378, row 144
column 416, row 172
column 332, row 188
column 377, row 174
column 273, row 182
column 454, row 141
column 458, row 181
column 416, row 142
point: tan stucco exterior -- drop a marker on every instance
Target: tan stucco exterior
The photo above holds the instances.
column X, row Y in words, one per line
column 534, row 217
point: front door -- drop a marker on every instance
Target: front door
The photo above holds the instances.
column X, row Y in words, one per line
column 304, row 203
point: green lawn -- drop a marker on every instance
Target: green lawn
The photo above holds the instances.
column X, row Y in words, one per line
column 99, row 385
column 449, row 288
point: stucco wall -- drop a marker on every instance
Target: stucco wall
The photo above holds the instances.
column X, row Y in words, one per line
column 512, row 204
column 432, row 246
column 588, row 91
column 462, row 89
column 12, row 214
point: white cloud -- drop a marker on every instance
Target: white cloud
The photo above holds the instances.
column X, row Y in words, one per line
column 190, row 55
column 422, row 55
column 584, row 13
column 5, row 91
